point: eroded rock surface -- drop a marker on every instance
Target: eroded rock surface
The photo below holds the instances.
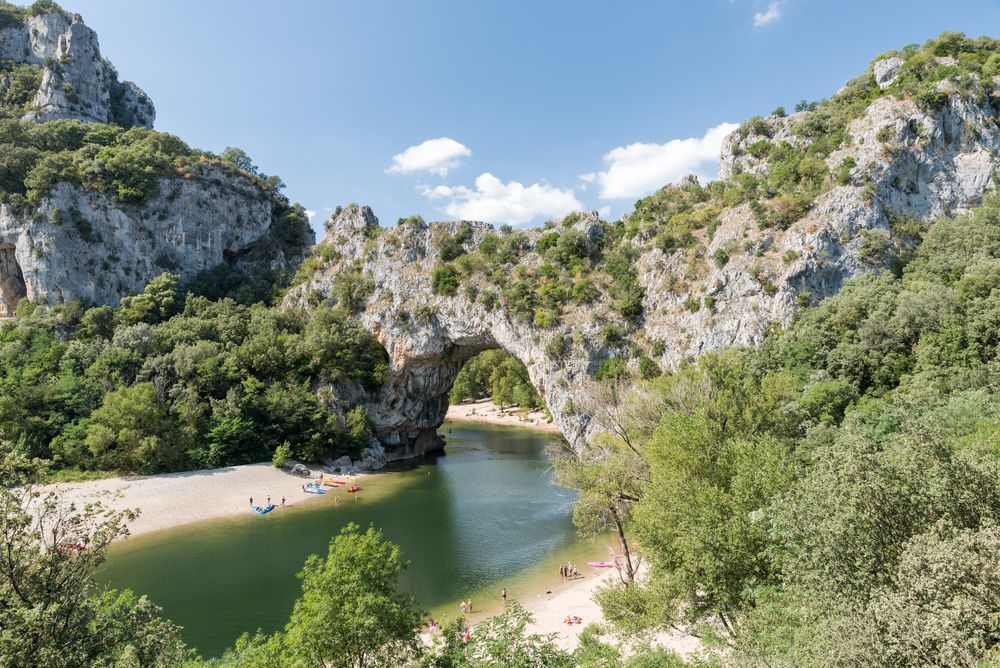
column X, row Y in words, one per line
column 906, row 164
column 77, row 83
column 84, row 245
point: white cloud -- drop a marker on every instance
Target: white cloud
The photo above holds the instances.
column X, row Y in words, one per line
column 494, row 201
column 310, row 214
column 436, row 156
column 638, row 169
column 770, row 15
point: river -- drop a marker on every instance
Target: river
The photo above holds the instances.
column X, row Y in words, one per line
column 480, row 516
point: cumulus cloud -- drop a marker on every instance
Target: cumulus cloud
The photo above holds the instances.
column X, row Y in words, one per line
column 638, row 169
column 310, row 214
column 769, row 15
column 494, row 201
column 436, row 156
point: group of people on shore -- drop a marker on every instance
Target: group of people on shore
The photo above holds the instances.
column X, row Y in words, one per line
column 568, row 571
column 269, row 500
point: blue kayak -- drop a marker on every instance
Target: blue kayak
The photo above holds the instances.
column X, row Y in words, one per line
column 263, row 511
column 313, row 488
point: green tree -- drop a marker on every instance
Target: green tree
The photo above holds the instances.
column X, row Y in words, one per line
column 133, row 430
column 52, row 613
column 351, row 614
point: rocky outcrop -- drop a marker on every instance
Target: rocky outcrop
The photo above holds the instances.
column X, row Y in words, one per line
column 909, row 165
column 76, row 83
column 84, row 245
column 900, row 163
column 429, row 337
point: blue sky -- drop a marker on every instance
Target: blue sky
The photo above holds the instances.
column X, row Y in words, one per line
column 536, row 106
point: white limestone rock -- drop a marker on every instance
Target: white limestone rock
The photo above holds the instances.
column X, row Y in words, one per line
column 926, row 164
column 885, row 71
column 83, row 245
column 77, row 83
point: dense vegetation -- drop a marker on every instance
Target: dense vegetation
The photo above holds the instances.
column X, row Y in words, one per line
column 832, row 497
column 572, row 268
column 172, row 381
column 497, row 375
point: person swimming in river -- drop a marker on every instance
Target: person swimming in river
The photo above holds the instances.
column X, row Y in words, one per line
column 503, row 594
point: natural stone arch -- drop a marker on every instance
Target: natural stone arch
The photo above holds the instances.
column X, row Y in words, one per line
column 12, row 286
column 429, row 337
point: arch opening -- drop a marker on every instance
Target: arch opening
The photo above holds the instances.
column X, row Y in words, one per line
column 414, row 400
column 12, row 286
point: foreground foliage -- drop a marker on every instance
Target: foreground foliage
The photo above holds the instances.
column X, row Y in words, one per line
column 51, row 612
column 832, row 497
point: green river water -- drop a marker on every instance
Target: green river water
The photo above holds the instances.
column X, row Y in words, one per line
column 481, row 516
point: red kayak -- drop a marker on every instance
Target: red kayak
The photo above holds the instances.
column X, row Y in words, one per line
column 356, row 488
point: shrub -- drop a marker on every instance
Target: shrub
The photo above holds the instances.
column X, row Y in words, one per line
column 611, row 369
column 611, row 334
column 281, row 455
column 720, row 257
column 444, row 280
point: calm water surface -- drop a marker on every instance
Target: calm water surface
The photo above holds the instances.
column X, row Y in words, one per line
column 484, row 514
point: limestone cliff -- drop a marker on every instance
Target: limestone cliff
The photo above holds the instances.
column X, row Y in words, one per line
column 896, row 165
column 84, row 245
column 76, row 82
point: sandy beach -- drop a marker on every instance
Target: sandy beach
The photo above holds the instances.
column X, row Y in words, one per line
column 173, row 499
column 574, row 597
column 486, row 412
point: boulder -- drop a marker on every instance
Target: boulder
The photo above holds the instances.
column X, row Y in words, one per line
column 885, row 71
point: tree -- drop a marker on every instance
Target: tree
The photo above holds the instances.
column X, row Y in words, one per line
column 239, row 158
column 52, row 613
column 351, row 614
column 133, row 431
column 281, row 455
column 504, row 642
column 159, row 300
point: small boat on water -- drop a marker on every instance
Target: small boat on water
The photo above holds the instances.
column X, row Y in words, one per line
column 263, row 511
column 600, row 564
column 356, row 488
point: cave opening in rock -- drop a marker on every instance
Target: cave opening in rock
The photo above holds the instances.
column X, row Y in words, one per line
column 12, row 287
column 414, row 400
column 495, row 375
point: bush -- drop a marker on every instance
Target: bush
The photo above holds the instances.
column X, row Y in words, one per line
column 281, row 455
column 444, row 280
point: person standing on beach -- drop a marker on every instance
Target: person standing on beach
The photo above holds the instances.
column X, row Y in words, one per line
column 282, row 501
column 251, row 500
column 268, row 499
column 503, row 594
column 470, row 604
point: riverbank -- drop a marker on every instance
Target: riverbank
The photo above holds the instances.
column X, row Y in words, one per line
column 175, row 499
column 485, row 411
column 551, row 605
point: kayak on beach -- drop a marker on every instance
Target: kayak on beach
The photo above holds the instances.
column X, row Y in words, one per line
column 313, row 488
column 263, row 511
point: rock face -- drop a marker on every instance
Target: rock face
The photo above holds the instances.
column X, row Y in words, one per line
column 83, row 245
column 429, row 337
column 77, row 83
column 908, row 164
